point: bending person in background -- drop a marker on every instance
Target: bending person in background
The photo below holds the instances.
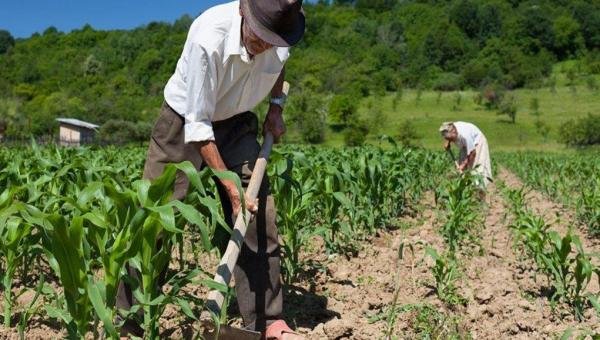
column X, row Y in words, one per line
column 473, row 146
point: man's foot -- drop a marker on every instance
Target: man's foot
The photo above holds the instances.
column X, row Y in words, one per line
column 279, row 330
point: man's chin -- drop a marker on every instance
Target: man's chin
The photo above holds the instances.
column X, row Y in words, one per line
column 255, row 53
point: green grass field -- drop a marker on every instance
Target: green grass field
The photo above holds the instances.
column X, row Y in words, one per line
column 433, row 108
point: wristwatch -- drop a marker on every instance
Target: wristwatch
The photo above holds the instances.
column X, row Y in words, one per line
column 279, row 100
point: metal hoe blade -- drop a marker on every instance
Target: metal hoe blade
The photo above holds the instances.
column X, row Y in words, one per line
column 231, row 333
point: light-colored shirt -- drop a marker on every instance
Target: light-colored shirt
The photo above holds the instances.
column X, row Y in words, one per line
column 468, row 136
column 215, row 77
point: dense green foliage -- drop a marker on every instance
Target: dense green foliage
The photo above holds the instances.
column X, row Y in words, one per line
column 117, row 131
column 351, row 48
column 6, row 41
column 581, row 132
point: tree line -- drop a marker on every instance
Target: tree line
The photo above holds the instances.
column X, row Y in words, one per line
column 351, row 50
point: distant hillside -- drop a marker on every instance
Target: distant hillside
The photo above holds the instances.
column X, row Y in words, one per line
column 352, row 50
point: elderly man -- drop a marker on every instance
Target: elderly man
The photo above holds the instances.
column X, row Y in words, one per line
column 232, row 59
column 473, row 146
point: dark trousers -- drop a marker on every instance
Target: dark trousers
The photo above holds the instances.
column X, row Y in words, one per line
column 257, row 273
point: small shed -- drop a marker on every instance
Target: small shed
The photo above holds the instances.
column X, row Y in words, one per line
column 75, row 132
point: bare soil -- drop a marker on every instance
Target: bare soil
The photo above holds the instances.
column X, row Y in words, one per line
column 505, row 299
column 341, row 297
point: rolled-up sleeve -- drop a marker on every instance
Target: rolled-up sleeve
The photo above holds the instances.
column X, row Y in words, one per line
column 201, row 96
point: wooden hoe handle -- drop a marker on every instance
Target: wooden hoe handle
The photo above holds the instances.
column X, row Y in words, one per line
column 225, row 270
column 229, row 259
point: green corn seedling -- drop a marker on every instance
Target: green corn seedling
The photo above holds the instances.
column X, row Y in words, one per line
column 445, row 272
column 562, row 259
column 293, row 209
column 461, row 218
column 14, row 234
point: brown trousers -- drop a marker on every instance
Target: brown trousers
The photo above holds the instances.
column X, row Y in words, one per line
column 257, row 273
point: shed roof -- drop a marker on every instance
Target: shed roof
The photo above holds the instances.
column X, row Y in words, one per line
column 77, row 122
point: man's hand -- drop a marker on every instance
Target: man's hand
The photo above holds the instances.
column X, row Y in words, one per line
column 210, row 154
column 446, row 145
column 234, row 198
column 274, row 122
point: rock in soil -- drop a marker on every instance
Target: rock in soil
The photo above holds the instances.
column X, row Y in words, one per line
column 337, row 328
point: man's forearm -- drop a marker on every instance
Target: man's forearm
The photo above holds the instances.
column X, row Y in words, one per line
column 211, row 156
column 277, row 89
column 274, row 120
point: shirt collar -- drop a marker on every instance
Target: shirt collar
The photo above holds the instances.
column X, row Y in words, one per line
column 233, row 42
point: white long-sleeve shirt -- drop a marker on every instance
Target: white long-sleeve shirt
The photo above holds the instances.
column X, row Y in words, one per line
column 468, row 136
column 215, row 77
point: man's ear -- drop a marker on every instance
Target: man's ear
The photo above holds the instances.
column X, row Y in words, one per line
column 241, row 12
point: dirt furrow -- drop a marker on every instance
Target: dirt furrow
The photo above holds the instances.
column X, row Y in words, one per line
column 523, row 308
column 555, row 214
column 359, row 290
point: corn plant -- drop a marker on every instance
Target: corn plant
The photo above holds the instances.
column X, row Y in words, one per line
column 562, row 259
column 571, row 179
column 393, row 308
column 588, row 207
column 160, row 224
column 516, row 200
column 570, row 273
column 461, row 206
column 532, row 231
column 337, row 233
column 445, row 272
column 118, row 225
column 293, row 209
column 32, row 308
column 17, row 245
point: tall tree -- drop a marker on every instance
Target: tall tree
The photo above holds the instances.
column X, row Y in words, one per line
column 6, row 41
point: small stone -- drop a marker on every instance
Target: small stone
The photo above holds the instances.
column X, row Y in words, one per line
column 491, row 310
column 374, row 301
column 474, row 312
column 526, row 305
column 25, row 298
column 341, row 273
column 508, row 290
column 513, row 329
column 484, row 297
column 337, row 328
column 496, row 253
column 523, row 326
column 319, row 329
column 549, row 329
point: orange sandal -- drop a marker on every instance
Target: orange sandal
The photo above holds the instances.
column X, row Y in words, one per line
column 276, row 330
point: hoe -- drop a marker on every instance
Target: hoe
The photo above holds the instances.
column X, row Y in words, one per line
column 215, row 299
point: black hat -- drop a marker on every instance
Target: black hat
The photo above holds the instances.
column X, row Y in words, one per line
column 277, row 22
